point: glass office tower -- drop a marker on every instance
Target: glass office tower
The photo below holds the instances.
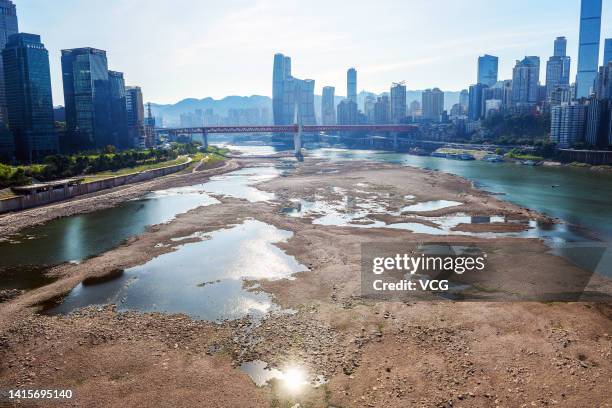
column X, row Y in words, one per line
column 28, row 96
column 135, row 115
column 588, row 50
column 607, row 51
column 119, row 130
column 487, row 70
column 87, row 97
column 8, row 27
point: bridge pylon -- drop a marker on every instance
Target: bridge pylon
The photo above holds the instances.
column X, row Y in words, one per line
column 205, row 139
column 297, row 139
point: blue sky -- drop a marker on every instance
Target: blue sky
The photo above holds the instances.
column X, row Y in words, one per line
column 176, row 49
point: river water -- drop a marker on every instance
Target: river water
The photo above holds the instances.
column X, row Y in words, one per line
column 72, row 239
column 580, row 197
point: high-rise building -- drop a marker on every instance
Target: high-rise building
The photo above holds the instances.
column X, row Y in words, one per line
column 415, row 109
column 432, row 104
column 135, row 115
column 457, row 112
column 588, row 50
column 369, row 105
column 487, row 69
column 607, row 51
column 28, row 97
column 328, row 110
column 292, row 98
column 351, row 84
column 597, row 123
column 603, row 85
column 280, row 73
column 59, row 114
column 305, row 101
column 347, row 112
column 560, row 47
column 8, row 27
column 557, row 67
column 119, row 129
column 559, row 96
column 464, row 99
column 476, row 105
column 502, row 90
column 492, row 106
column 398, row 102
column 525, row 81
column 149, row 128
column 87, row 97
column 567, row 124
column 382, row 110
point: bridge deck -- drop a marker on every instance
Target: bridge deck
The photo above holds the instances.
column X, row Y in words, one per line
column 291, row 129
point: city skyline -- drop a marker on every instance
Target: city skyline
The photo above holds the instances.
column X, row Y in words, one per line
column 204, row 35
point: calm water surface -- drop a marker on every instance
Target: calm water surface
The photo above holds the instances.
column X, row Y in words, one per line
column 579, row 196
column 203, row 279
column 25, row 255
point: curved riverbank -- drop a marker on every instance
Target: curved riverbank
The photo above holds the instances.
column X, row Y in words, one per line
column 13, row 222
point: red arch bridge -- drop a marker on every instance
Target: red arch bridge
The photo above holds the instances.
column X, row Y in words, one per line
column 296, row 129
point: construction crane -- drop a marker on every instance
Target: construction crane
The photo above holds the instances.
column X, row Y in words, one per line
column 402, row 82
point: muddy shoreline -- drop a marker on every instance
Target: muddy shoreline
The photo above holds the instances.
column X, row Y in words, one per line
column 371, row 353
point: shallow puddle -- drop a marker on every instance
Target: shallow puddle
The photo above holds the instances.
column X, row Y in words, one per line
column 350, row 211
column 430, row 206
column 240, row 183
column 202, row 279
column 292, row 378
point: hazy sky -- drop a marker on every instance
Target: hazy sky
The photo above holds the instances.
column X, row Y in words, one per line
column 176, row 49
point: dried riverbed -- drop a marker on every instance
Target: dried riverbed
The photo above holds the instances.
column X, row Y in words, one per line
column 324, row 343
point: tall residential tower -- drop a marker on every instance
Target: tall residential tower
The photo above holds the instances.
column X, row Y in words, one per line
column 292, row 98
column 557, row 68
column 328, row 109
column 432, row 104
column 398, row 102
column 351, row 84
column 525, row 81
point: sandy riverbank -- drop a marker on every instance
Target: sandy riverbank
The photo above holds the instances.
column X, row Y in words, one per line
column 382, row 354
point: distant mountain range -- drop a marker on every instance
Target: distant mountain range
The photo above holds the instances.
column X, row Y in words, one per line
column 170, row 113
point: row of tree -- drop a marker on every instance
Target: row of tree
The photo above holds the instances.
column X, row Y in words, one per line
column 62, row 166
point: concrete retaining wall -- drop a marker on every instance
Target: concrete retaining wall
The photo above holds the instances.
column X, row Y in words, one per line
column 63, row 193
